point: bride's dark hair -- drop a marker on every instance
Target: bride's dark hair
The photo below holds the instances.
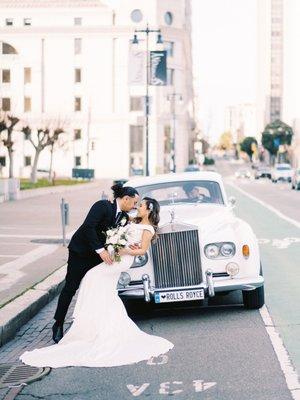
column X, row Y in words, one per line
column 154, row 218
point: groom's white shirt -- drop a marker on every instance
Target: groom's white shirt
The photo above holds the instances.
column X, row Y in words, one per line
column 117, row 211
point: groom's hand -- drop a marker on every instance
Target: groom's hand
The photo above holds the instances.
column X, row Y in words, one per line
column 106, row 257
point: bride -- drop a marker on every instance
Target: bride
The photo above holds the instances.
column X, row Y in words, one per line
column 102, row 334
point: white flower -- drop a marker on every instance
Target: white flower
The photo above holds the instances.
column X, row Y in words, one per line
column 123, row 242
column 109, row 232
column 113, row 240
column 123, row 221
column 110, row 248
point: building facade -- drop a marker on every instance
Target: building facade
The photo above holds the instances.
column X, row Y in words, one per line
column 66, row 62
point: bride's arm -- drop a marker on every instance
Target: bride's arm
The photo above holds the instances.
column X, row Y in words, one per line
column 145, row 244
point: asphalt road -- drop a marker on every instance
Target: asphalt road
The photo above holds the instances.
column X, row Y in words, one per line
column 222, row 352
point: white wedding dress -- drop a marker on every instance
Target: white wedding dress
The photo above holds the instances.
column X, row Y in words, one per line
column 102, row 334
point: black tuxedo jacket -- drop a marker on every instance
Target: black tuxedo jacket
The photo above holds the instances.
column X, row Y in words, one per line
column 89, row 236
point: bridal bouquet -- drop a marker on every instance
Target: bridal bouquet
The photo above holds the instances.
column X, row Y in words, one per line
column 116, row 239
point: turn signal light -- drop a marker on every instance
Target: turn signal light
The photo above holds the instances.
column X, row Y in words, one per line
column 246, row 251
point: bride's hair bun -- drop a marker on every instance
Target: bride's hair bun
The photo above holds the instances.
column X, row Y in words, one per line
column 120, row 191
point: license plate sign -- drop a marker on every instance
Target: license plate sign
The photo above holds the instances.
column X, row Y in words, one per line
column 179, row 295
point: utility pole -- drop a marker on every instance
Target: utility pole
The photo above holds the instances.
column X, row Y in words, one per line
column 172, row 98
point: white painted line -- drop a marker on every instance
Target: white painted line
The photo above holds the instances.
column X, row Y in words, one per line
column 261, row 202
column 284, row 359
column 10, row 255
column 14, row 270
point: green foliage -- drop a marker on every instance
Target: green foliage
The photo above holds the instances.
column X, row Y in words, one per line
column 27, row 184
column 276, row 133
column 248, row 145
column 208, row 161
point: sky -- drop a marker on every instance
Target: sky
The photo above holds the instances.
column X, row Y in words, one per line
column 224, row 56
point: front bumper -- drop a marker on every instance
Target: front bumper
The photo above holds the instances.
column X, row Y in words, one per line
column 211, row 287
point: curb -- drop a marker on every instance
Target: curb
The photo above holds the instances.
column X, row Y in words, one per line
column 19, row 311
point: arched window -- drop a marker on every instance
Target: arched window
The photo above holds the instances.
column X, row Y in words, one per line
column 7, row 49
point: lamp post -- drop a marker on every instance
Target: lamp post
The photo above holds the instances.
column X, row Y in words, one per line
column 135, row 40
column 172, row 98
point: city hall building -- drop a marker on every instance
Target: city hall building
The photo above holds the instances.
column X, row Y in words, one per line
column 70, row 63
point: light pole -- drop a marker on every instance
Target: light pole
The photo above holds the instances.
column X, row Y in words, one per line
column 135, row 40
column 172, row 98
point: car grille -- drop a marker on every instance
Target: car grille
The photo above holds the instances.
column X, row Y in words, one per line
column 176, row 259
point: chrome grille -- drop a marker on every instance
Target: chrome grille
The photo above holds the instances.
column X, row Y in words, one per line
column 176, row 259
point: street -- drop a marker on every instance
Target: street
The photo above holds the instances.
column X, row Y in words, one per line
column 221, row 351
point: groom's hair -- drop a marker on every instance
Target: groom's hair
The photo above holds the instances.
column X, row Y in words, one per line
column 120, row 191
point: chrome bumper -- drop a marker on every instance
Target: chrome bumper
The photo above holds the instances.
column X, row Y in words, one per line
column 211, row 286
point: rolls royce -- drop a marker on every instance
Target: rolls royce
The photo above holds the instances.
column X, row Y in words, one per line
column 203, row 249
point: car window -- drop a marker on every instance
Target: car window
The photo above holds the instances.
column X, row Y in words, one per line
column 283, row 168
column 183, row 192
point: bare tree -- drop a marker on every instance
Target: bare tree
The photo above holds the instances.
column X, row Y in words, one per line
column 41, row 138
column 8, row 123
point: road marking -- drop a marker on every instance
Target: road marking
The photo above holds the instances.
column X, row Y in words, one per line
column 201, row 386
column 13, row 270
column 164, row 388
column 284, row 359
column 280, row 243
column 137, row 390
column 162, row 359
column 270, row 208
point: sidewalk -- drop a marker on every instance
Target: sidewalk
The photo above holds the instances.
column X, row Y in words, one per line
column 30, row 236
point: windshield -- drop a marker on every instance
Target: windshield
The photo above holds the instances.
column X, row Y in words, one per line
column 183, row 192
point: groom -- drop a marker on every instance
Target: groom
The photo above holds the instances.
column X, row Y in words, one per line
column 86, row 248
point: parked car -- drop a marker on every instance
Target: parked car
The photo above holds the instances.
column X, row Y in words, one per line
column 202, row 249
column 192, row 168
column 283, row 172
column 243, row 173
column 263, row 172
column 296, row 179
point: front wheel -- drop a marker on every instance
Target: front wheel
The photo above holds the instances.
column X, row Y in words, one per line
column 254, row 299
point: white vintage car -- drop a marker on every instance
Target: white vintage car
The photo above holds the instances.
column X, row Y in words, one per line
column 202, row 250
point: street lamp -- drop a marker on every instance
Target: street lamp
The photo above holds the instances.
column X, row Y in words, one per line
column 172, row 97
column 135, row 40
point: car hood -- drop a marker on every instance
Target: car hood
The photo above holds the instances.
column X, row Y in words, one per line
column 209, row 218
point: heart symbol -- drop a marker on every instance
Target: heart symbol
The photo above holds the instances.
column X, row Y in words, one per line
column 163, row 296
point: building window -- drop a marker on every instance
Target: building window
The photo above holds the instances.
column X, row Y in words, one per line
column 170, row 76
column 27, row 21
column 27, row 161
column 77, row 21
column 77, row 75
column 27, row 104
column 8, row 49
column 6, row 106
column 136, row 138
column 77, row 161
column 9, row 22
column 6, row 76
column 168, row 18
column 2, row 161
column 77, row 45
column 136, row 103
column 169, row 46
column 77, row 134
column 77, row 105
column 27, row 75
column 136, row 16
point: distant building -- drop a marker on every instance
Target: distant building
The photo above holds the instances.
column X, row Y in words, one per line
column 240, row 120
column 68, row 60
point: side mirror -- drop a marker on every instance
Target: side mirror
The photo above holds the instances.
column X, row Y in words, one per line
column 232, row 201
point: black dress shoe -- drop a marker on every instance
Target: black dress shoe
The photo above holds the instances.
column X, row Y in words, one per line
column 58, row 332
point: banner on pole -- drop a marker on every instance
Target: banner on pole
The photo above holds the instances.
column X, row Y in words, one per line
column 158, row 68
column 136, row 67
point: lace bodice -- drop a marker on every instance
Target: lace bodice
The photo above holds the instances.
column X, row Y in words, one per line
column 135, row 232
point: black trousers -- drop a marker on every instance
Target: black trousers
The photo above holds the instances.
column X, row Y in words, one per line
column 78, row 266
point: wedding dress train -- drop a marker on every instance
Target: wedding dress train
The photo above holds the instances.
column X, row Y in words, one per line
column 102, row 334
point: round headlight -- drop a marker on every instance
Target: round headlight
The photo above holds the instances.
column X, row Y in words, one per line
column 140, row 261
column 212, row 251
column 227, row 250
column 124, row 279
column 232, row 268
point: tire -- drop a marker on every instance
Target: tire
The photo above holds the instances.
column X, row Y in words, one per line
column 293, row 187
column 254, row 299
